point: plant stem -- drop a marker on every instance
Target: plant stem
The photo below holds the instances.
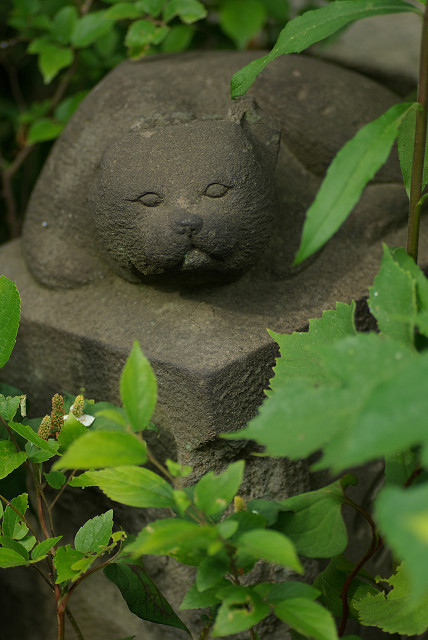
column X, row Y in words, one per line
column 74, row 624
column 416, row 184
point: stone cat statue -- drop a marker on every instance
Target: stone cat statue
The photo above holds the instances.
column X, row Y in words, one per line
column 160, row 178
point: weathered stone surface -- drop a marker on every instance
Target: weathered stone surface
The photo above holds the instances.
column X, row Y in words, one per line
column 208, row 345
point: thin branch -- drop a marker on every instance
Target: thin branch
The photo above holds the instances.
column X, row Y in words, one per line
column 74, row 624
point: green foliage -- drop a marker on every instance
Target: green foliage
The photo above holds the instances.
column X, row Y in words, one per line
column 10, row 307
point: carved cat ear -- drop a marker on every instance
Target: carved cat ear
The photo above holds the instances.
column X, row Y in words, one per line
column 263, row 131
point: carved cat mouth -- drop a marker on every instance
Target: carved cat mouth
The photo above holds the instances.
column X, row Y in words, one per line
column 198, row 259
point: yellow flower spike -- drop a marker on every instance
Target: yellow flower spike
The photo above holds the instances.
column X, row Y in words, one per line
column 57, row 414
column 239, row 504
column 45, row 428
column 77, row 408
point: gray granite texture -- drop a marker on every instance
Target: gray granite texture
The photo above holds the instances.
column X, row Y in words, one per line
column 208, row 344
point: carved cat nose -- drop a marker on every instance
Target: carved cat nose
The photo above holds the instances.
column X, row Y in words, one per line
column 189, row 223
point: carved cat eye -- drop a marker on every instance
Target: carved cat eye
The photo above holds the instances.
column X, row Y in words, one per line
column 216, row 190
column 149, row 199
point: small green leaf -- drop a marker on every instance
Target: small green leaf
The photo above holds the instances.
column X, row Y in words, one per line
column 241, row 609
column 55, row 479
column 64, row 559
column 10, row 558
column 15, row 546
column 63, row 24
column 8, row 407
column 124, row 11
column 71, row 430
column 241, row 20
column 108, row 417
column 41, row 549
column 178, row 38
column 51, row 60
column 68, row 106
column 399, row 467
column 90, row 28
column 141, row 594
column 43, row 130
column 152, row 7
column 393, row 300
column 352, row 168
column 211, row 571
column 393, row 612
column 139, row 36
column 37, row 455
column 181, row 539
column 138, row 389
column 314, row 26
column 287, row 590
column 95, row 534
column 307, row 617
column 271, row 546
column 97, row 449
column 24, row 430
column 10, row 309
column 13, row 523
column 189, row 11
column 314, row 522
column 134, row 486
column 214, row 493
column 82, row 481
column 195, row 599
column 10, row 458
column 178, row 470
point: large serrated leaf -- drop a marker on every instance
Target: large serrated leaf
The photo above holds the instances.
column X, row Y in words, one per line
column 141, row 594
column 10, row 458
column 10, row 309
column 393, row 612
column 314, row 26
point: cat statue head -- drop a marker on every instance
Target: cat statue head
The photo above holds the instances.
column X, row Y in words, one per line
column 184, row 200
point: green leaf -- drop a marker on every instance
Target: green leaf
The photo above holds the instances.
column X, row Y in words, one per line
column 95, row 534
column 241, row 609
column 10, row 558
column 407, row 263
column 138, row 389
column 399, row 466
column 63, row 24
column 271, row 546
column 123, row 11
column 152, row 7
column 55, row 479
column 51, row 60
column 15, row 546
column 10, row 458
column 177, row 469
column 98, row 449
column 90, row 28
column 141, row 594
column 68, row 106
column 41, row 549
column 314, row 26
column 28, row 542
column 82, row 481
column 241, row 20
column 71, row 430
column 43, row 130
column 402, row 516
column 9, row 406
column 13, row 523
column 134, row 486
column 10, row 309
column 179, row 539
column 393, row 300
column 287, row 590
column 214, row 493
column 64, row 559
column 307, row 617
column 211, row 571
column 300, row 357
column 24, row 430
column 331, row 581
column 37, row 455
column 189, row 11
column 139, row 36
column 393, row 612
column 178, row 38
column 406, row 141
column 314, row 522
column 108, row 417
column 352, row 168
column 195, row 599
